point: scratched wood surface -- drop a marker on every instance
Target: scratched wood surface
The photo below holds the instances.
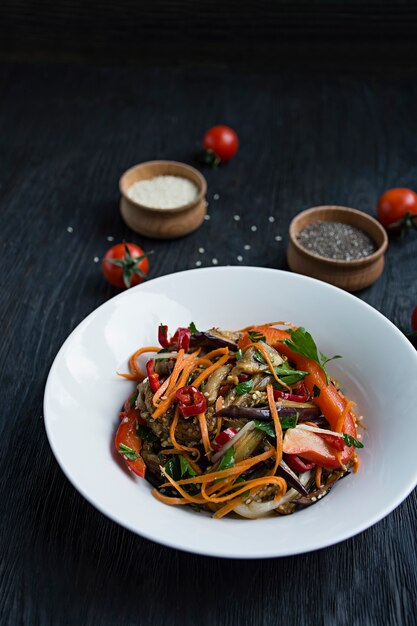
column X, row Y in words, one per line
column 67, row 133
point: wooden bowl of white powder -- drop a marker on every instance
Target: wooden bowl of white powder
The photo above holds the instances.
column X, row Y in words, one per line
column 163, row 199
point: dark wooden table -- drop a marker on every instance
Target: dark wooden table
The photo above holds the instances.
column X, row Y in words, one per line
column 67, row 133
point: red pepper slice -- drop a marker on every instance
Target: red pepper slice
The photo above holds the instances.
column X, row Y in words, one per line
column 163, row 336
column 130, row 411
column 336, row 442
column 297, row 464
column 302, row 396
column 152, row 375
column 179, row 341
column 127, row 436
column 222, row 438
column 190, row 401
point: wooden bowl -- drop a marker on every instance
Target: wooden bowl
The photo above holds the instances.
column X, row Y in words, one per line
column 156, row 222
column 349, row 275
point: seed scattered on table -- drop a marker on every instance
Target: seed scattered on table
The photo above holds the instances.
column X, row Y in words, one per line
column 271, row 219
column 198, row 263
column 278, row 238
column 216, row 196
column 201, row 250
column 214, row 261
column 207, row 217
column 239, row 258
column 236, row 218
column 96, row 259
column 335, row 240
column 254, row 228
column 247, row 246
column 70, row 229
column 110, row 238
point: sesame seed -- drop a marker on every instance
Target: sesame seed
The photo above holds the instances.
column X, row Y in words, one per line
column 198, row 263
column 207, row 217
column 271, row 219
column 201, row 250
column 247, row 246
column 236, row 218
column 278, row 238
column 96, row 259
column 216, row 196
column 214, row 261
column 110, row 238
column 239, row 258
column 254, row 228
column 70, row 229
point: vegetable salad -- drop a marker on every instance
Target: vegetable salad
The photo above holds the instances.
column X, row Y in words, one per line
column 247, row 422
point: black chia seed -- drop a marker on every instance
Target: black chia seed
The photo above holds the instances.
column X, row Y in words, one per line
column 334, row 240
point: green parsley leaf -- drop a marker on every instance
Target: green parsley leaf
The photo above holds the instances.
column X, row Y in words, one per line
column 288, row 375
column 289, row 422
column 129, row 453
column 133, row 399
column 351, row 441
column 316, row 391
column 244, row 387
column 227, row 461
column 303, row 343
column 145, row 433
column 193, row 328
column 172, row 467
column 267, row 427
column 259, row 357
column 256, row 336
column 239, row 355
column 203, row 384
column 186, row 470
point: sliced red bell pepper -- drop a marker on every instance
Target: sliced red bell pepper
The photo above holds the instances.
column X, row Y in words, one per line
column 222, row 438
column 297, row 464
column 128, row 444
column 191, row 402
column 179, row 341
column 310, row 446
column 302, row 395
column 335, row 442
column 329, row 400
column 152, row 375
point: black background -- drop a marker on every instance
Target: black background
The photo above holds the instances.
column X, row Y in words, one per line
column 323, row 97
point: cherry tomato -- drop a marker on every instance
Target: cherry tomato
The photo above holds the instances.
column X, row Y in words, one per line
column 397, row 209
column 221, row 143
column 414, row 319
column 125, row 265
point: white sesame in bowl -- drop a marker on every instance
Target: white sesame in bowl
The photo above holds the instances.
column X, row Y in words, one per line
column 163, row 192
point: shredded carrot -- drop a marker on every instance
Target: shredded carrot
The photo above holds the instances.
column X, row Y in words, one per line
column 259, row 346
column 339, row 456
column 237, row 469
column 356, row 463
column 136, row 372
column 341, row 422
column 228, row 508
column 217, row 352
column 168, row 499
column 277, row 425
column 317, row 476
column 206, row 373
column 175, row 443
column 219, row 422
column 160, row 392
column 204, row 433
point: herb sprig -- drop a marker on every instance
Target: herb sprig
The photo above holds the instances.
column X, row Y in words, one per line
column 303, row 343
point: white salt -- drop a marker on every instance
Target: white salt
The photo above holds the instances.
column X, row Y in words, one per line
column 163, row 192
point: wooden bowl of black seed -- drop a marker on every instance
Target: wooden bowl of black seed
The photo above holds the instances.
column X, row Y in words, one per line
column 339, row 245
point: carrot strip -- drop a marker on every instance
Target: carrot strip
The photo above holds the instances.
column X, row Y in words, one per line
column 160, row 392
column 204, row 433
column 248, row 485
column 228, row 508
column 356, row 463
column 267, row 358
column 167, row 499
column 237, row 469
column 175, row 443
column 341, row 421
column 219, row 422
column 277, row 425
column 206, row 373
column 216, row 352
column 174, row 483
column 136, row 372
column 317, row 476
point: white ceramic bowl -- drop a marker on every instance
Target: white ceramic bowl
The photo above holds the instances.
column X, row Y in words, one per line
column 379, row 371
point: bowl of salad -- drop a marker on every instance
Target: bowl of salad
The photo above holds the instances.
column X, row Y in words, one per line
column 256, row 425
